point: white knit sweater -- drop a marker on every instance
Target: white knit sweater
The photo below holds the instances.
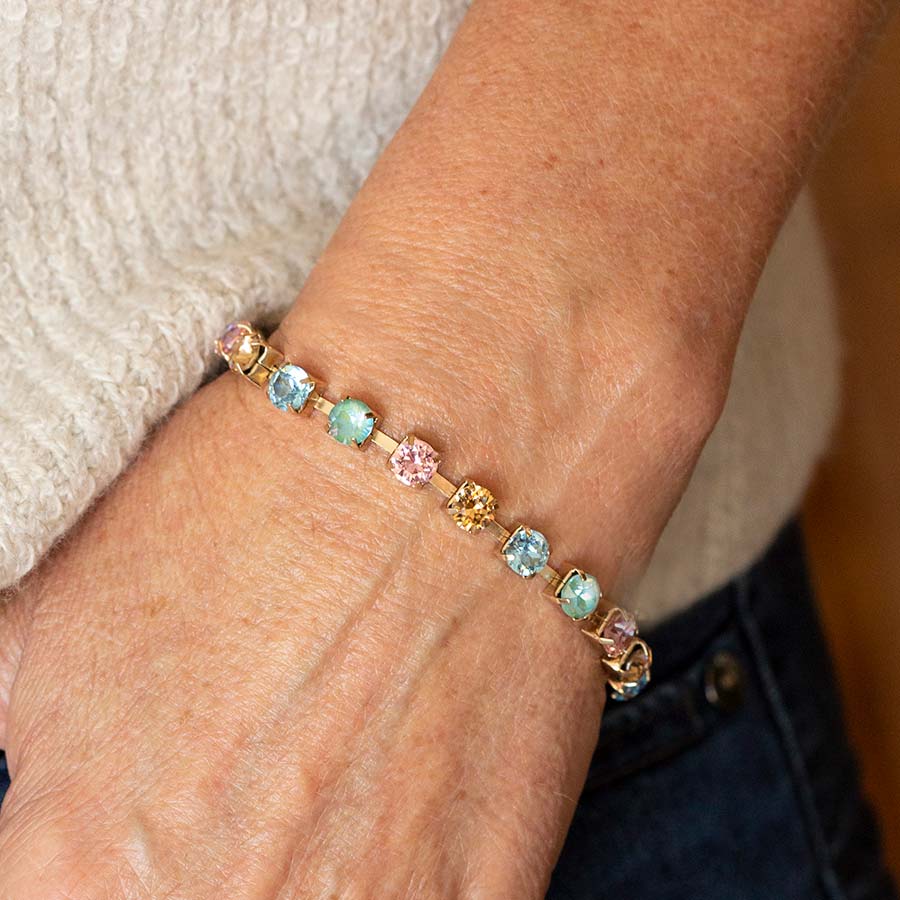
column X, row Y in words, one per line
column 167, row 166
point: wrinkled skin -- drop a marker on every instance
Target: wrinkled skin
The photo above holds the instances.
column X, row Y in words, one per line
column 261, row 668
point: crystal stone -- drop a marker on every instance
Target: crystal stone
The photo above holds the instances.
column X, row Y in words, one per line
column 472, row 506
column 580, row 594
column 526, row 552
column 232, row 336
column 619, row 629
column 629, row 690
column 289, row 388
column 414, row 462
column 351, row 422
column 236, row 344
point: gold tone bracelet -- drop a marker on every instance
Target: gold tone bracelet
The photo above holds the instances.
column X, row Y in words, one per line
column 625, row 657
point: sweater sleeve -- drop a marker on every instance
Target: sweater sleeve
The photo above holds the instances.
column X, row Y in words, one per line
column 166, row 167
column 81, row 384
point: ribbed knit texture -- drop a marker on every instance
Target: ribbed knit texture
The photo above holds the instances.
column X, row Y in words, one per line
column 167, row 166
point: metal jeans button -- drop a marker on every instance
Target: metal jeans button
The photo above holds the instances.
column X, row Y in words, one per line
column 723, row 681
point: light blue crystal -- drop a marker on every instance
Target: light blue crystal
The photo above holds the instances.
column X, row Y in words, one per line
column 580, row 595
column 289, row 388
column 632, row 689
column 526, row 552
column 351, row 422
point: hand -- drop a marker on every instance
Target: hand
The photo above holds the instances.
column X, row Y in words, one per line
column 260, row 668
column 263, row 669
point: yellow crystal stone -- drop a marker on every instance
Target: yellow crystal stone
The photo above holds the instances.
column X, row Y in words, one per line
column 472, row 506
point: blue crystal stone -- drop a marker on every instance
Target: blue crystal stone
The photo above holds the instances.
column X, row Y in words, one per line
column 631, row 690
column 351, row 422
column 289, row 388
column 580, row 595
column 526, row 552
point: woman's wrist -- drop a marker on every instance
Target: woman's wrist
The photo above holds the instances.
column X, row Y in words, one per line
column 573, row 366
column 534, row 394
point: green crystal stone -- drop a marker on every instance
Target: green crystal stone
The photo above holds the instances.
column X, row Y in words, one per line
column 351, row 422
column 580, row 595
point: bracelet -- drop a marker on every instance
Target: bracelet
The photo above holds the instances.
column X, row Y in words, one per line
column 624, row 656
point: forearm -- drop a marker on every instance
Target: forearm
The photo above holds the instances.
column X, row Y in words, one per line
column 595, row 153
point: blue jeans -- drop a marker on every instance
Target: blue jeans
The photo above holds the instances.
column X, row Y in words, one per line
column 731, row 777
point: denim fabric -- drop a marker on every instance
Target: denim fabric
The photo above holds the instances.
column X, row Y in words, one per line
column 731, row 777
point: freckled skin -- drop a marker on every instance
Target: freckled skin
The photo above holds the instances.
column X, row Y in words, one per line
column 261, row 668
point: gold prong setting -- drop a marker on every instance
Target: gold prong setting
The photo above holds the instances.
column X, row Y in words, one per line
column 578, row 594
column 526, row 551
column 413, row 461
column 239, row 346
column 289, row 387
column 352, row 422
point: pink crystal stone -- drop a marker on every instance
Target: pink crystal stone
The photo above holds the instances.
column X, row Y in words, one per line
column 619, row 629
column 232, row 337
column 414, row 462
